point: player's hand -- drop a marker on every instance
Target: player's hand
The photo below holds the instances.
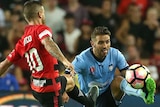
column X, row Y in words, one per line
column 69, row 67
column 68, row 71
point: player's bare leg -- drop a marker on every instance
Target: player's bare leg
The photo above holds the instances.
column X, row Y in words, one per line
column 70, row 82
column 117, row 93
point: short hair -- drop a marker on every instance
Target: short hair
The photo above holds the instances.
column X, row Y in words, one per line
column 69, row 15
column 31, row 9
column 100, row 30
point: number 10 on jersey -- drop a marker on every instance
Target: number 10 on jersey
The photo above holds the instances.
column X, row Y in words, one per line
column 33, row 60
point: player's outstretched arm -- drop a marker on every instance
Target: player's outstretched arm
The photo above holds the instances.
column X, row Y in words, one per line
column 54, row 50
column 4, row 65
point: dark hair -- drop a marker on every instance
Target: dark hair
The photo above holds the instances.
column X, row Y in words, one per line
column 31, row 9
column 100, row 30
column 69, row 15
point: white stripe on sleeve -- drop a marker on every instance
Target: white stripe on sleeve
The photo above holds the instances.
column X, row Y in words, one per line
column 45, row 32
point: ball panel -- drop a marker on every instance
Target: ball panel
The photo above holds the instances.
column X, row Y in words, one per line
column 138, row 84
column 129, row 75
column 141, row 73
column 136, row 75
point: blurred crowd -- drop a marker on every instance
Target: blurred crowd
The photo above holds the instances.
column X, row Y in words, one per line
column 134, row 25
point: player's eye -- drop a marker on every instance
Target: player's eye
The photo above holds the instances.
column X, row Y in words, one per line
column 100, row 42
column 108, row 41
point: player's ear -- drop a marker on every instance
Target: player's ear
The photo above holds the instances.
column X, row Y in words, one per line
column 92, row 43
column 40, row 14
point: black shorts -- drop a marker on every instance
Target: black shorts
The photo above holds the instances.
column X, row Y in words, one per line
column 106, row 99
column 49, row 99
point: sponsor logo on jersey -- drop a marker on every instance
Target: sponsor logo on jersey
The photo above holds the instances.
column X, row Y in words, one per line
column 110, row 67
column 92, row 69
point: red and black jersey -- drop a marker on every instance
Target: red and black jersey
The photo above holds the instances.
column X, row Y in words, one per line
column 33, row 55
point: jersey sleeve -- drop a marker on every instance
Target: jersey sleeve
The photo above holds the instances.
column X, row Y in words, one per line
column 122, row 63
column 44, row 31
column 13, row 56
column 78, row 64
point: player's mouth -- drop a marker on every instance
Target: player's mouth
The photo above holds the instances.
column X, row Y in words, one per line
column 105, row 51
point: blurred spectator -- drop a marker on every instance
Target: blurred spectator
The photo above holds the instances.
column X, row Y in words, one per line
column 7, row 14
column 133, row 55
column 69, row 36
column 78, row 10
column 154, row 72
column 3, row 45
column 62, row 3
column 14, row 28
column 148, row 32
column 156, row 4
column 107, row 18
column 16, row 32
column 155, row 59
column 130, row 25
column 22, row 77
column 12, row 4
column 91, row 3
column 93, row 6
column 17, row 7
column 14, row 18
column 8, row 82
column 123, row 5
column 83, row 42
column 3, row 39
column 54, row 16
column 2, row 18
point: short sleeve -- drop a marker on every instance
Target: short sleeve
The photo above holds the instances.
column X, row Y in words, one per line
column 78, row 64
column 44, row 31
column 122, row 63
column 13, row 56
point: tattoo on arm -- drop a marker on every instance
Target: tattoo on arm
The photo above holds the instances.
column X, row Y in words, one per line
column 53, row 48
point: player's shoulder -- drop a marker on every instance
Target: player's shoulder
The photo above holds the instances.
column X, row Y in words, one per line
column 112, row 49
column 85, row 52
column 83, row 55
column 82, row 60
column 43, row 30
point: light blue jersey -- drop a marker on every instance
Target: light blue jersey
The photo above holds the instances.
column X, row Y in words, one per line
column 91, row 72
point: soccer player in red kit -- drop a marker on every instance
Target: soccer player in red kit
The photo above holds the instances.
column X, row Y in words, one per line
column 40, row 53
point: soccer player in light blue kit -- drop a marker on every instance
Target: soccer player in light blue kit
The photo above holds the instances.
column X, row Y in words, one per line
column 97, row 65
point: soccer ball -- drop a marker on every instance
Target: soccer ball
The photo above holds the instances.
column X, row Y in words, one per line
column 136, row 75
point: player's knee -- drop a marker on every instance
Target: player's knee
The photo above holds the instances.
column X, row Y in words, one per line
column 116, row 81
